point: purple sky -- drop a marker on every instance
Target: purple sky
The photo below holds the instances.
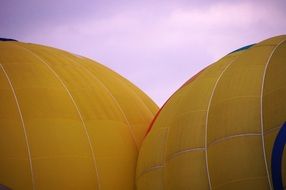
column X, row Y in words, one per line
column 157, row 45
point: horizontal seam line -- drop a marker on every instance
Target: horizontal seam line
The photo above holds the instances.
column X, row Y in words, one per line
column 233, row 98
column 267, row 131
column 272, row 91
column 152, row 168
column 231, row 137
column 176, row 154
column 243, row 179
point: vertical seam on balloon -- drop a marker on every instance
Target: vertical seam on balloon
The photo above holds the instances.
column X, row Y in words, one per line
column 129, row 85
column 261, row 111
column 206, row 124
column 23, row 126
column 114, row 100
column 132, row 91
column 138, row 97
column 78, row 111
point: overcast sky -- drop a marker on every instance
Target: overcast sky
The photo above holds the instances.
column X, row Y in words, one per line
column 157, row 45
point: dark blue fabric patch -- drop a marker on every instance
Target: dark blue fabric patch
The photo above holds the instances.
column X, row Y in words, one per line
column 242, row 48
column 7, row 39
column 276, row 160
column 3, row 187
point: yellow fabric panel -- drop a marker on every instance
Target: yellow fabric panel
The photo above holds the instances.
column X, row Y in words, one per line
column 117, row 173
column 14, row 162
column 249, row 184
column 79, row 131
column 116, row 158
column 149, row 181
column 186, row 170
column 64, row 172
column 239, row 90
column 237, row 160
column 274, row 105
column 150, row 160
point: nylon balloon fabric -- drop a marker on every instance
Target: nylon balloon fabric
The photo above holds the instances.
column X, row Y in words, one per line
column 217, row 131
column 67, row 122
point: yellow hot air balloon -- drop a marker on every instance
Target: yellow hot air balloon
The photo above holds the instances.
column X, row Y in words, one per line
column 67, row 122
column 217, row 131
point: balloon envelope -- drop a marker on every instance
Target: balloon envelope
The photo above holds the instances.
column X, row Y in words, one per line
column 217, row 131
column 67, row 122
